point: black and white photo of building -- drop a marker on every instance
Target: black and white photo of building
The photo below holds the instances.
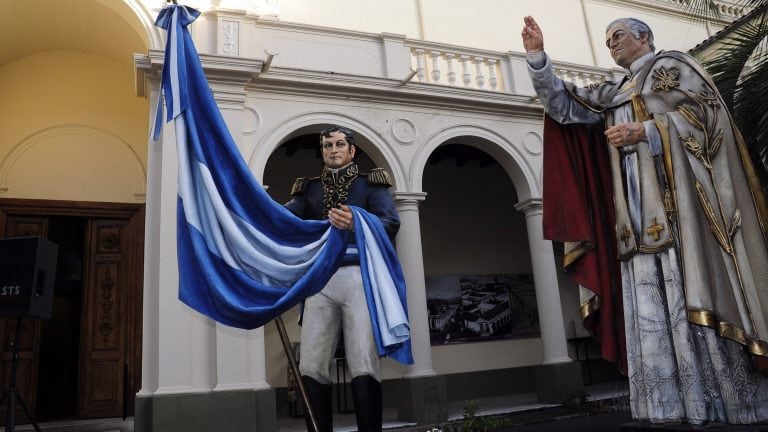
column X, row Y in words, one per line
column 484, row 307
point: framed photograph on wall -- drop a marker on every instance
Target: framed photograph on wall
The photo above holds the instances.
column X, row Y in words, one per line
column 473, row 308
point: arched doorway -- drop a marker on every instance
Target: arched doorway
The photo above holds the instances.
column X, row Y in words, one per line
column 477, row 264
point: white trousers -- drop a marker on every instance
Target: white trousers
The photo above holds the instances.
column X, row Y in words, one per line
column 341, row 304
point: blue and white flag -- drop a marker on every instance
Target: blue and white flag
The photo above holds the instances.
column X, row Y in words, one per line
column 243, row 258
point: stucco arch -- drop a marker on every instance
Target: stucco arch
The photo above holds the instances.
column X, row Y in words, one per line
column 141, row 18
column 511, row 158
column 379, row 151
column 103, row 167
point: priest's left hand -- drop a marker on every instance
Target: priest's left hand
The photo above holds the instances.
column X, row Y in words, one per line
column 342, row 218
column 625, row 134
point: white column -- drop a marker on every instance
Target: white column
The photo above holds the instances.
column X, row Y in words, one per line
column 545, row 270
column 240, row 354
column 151, row 312
column 240, row 359
column 185, row 338
column 177, row 342
column 412, row 261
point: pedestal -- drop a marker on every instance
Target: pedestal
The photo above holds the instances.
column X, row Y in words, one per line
column 222, row 411
column 422, row 400
column 560, row 383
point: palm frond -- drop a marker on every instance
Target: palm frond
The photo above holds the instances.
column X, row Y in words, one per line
column 735, row 53
column 705, row 10
column 750, row 115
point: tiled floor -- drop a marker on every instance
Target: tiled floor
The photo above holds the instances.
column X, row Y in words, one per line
column 487, row 406
column 612, row 393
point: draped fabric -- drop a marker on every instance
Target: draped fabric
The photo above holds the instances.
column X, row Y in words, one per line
column 578, row 211
column 243, row 258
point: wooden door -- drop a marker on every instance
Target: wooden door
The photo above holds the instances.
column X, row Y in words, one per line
column 109, row 371
column 105, row 327
column 29, row 331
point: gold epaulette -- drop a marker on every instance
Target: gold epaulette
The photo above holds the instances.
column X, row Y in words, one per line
column 379, row 177
column 300, row 185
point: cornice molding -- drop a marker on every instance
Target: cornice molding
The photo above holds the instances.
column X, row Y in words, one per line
column 221, row 70
column 676, row 8
column 530, row 205
column 244, row 72
column 409, row 197
column 362, row 88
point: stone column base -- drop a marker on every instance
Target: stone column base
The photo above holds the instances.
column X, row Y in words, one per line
column 224, row 411
column 422, row 400
column 560, row 383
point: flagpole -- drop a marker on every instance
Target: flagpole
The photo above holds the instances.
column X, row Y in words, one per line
column 295, row 369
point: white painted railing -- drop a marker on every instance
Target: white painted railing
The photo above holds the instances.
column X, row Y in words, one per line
column 456, row 66
column 581, row 76
column 462, row 67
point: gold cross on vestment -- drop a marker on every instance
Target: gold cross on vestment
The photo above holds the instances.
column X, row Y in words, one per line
column 625, row 236
column 654, row 229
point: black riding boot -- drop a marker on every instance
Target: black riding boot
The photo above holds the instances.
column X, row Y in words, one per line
column 319, row 396
column 366, row 393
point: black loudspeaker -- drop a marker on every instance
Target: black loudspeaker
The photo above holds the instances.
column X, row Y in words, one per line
column 27, row 275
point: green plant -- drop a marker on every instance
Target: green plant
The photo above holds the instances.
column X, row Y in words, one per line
column 471, row 422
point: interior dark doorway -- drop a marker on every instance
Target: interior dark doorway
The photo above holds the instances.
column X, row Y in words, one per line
column 60, row 335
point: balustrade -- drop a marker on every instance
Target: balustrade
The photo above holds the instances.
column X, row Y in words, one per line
column 482, row 70
column 437, row 66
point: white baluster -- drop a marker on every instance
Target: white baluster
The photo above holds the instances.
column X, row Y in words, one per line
column 451, row 73
column 492, row 80
column 583, row 79
column 598, row 78
column 480, row 78
column 559, row 73
column 421, row 71
column 435, row 65
column 466, row 77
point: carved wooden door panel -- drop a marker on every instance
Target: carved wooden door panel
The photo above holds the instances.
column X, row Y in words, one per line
column 29, row 331
column 105, row 326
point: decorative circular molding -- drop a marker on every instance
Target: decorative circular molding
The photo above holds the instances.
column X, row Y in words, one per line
column 251, row 120
column 404, row 130
column 533, row 143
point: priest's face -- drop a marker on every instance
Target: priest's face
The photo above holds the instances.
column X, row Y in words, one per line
column 625, row 47
column 337, row 152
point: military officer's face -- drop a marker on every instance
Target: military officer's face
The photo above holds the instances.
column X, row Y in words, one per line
column 625, row 47
column 337, row 152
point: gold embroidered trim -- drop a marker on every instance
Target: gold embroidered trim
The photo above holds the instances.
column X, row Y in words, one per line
column 665, row 80
column 300, row 185
column 630, row 254
column 577, row 252
column 758, row 347
column 669, row 205
column 379, row 177
column 759, row 199
column 729, row 331
column 336, row 186
column 590, row 306
column 658, row 248
column 638, row 106
column 702, row 318
column 714, row 226
column 732, row 332
column 662, row 124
